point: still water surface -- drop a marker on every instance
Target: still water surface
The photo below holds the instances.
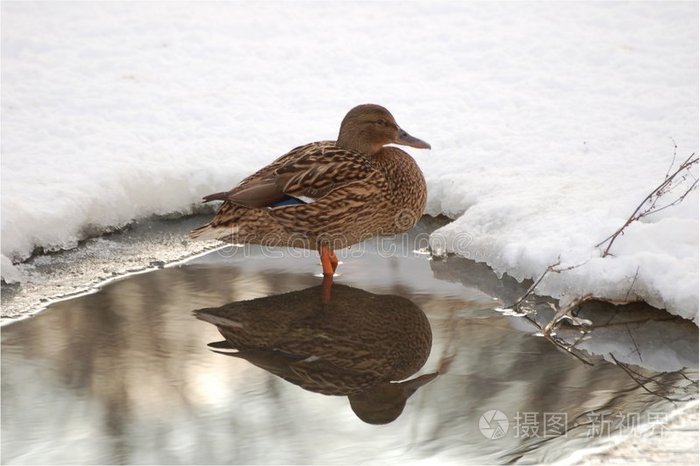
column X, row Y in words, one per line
column 125, row 375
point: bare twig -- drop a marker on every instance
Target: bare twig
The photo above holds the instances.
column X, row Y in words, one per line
column 654, row 378
column 692, row 187
column 673, row 160
column 551, row 268
column 516, row 304
column 579, row 339
column 634, row 280
column 570, row 350
column 631, row 373
column 653, row 198
column 565, row 312
column 561, row 344
column 634, row 342
column 694, row 382
column 646, row 207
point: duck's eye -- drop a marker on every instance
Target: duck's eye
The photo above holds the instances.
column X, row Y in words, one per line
column 381, row 122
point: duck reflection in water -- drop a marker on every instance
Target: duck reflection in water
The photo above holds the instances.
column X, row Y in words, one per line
column 357, row 346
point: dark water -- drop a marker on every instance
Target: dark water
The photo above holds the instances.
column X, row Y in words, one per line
column 125, row 375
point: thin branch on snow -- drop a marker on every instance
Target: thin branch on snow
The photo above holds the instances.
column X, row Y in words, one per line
column 647, row 207
column 653, row 197
column 692, row 187
column 673, row 160
column 634, row 280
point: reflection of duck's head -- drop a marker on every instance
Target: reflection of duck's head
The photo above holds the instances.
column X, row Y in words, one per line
column 385, row 402
column 354, row 347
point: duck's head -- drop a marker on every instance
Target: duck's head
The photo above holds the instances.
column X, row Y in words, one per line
column 369, row 127
column 384, row 402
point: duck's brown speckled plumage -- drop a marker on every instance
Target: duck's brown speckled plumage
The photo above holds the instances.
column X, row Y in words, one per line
column 355, row 195
column 358, row 340
column 356, row 346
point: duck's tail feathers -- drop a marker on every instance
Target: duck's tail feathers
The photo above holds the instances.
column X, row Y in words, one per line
column 212, row 316
column 209, row 231
column 222, row 196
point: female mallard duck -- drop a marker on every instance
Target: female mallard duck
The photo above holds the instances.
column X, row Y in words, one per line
column 328, row 195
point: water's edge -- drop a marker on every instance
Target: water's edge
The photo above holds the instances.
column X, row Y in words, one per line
column 143, row 246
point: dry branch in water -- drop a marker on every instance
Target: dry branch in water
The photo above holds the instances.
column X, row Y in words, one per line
column 649, row 205
column 567, row 312
column 641, row 381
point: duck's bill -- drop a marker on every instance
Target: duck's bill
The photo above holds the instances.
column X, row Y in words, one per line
column 414, row 384
column 406, row 139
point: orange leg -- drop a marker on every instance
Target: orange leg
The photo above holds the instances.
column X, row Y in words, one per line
column 329, row 262
column 326, row 289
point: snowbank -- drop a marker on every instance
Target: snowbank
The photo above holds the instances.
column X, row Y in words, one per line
column 548, row 122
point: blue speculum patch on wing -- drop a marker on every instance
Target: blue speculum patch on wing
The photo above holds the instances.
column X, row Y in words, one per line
column 289, row 200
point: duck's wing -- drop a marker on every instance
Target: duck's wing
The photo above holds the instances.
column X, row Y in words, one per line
column 304, row 174
column 308, row 372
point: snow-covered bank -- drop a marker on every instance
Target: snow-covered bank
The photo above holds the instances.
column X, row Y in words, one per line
column 549, row 122
column 523, row 231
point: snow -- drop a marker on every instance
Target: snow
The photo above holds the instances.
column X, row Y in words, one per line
column 549, row 122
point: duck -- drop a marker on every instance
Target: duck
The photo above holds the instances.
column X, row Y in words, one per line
column 363, row 345
column 328, row 195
